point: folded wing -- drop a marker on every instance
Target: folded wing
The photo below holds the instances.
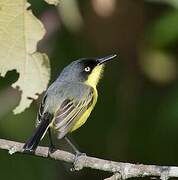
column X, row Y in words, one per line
column 72, row 108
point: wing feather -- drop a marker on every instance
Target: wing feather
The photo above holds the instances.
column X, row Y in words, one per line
column 41, row 111
column 70, row 111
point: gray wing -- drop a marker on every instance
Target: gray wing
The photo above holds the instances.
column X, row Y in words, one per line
column 76, row 100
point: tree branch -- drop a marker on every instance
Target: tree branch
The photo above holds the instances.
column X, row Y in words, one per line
column 119, row 169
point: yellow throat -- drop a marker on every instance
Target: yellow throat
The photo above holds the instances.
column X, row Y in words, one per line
column 95, row 76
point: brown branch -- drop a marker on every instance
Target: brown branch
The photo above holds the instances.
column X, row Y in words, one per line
column 119, row 169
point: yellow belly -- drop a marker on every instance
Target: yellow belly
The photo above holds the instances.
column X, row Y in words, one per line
column 85, row 116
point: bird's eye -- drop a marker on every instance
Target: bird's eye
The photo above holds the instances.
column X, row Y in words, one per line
column 87, row 69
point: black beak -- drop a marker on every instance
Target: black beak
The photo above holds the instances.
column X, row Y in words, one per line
column 105, row 59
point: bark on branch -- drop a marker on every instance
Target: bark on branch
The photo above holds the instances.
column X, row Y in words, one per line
column 119, row 169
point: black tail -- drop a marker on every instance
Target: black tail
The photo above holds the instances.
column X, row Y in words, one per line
column 33, row 142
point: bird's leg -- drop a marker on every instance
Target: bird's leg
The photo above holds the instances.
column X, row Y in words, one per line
column 77, row 152
column 51, row 145
column 77, row 165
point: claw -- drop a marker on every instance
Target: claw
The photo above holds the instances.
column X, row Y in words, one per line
column 78, row 161
column 51, row 150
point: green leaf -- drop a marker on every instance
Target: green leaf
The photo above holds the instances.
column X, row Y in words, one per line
column 55, row 2
column 164, row 31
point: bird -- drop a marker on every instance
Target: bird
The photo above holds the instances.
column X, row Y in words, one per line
column 68, row 102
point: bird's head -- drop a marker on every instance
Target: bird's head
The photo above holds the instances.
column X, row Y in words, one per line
column 86, row 70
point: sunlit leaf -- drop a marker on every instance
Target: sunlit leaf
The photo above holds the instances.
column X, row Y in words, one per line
column 20, row 31
column 159, row 66
column 55, row 2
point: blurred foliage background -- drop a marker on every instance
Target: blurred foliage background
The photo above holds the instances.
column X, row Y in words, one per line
column 136, row 117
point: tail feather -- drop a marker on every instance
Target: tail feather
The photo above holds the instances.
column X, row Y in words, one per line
column 33, row 142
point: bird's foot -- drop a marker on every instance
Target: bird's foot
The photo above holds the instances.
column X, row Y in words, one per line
column 51, row 150
column 29, row 151
column 78, row 161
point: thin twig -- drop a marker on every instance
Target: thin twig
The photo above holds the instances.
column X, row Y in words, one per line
column 119, row 169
